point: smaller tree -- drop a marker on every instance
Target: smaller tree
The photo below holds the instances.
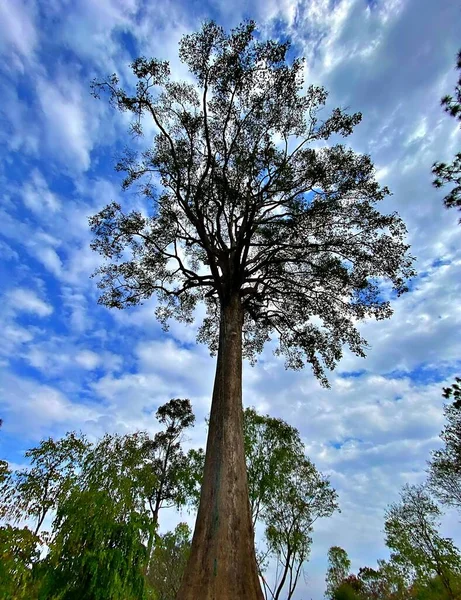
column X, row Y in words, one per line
column 390, row 581
column 451, row 173
column 371, row 583
column 31, row 493
column 289, row 514
column 445, row 464
column 271, row 449
column 349, row 589
column 338, row 570
column 166, row 463
column 412, row 535
column 165, row 457
column 168, row 562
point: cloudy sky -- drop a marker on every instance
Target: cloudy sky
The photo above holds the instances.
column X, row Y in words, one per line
column 67, row 363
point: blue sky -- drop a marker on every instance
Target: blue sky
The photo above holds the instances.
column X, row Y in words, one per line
column 67, row 363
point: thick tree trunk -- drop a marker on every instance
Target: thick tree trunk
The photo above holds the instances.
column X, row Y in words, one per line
column 222, row 563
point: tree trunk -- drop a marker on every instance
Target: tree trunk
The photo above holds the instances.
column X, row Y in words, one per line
column 222, row 563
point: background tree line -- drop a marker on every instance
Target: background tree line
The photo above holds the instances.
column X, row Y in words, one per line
column 423, row 565
column 92, row 511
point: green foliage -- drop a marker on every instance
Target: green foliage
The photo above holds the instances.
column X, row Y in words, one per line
column 302, row 496
column 191, row 476
column 99, row 548
column 287, row 495
column 98, row 553
column 436, row 590
column 290, row 228
column 390, row 581
column 411, row 528
column 165, row 459
column 338, row 570
column 271, row 445
column 19, row 552
column 107, row 498
column 451, row 173
column 445, row 463
column 168, row 562
column 33, row 492
column 346, row 591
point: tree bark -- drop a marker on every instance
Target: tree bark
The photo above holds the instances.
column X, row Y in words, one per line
column 222, row 563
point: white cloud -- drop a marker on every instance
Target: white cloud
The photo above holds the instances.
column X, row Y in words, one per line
column 18, row 38
column 47, row 256
column 38, row 197
column 36, row 410
column 87, row 359
column 67, row 124
column 24, row 300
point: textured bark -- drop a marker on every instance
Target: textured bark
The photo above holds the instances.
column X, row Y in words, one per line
column 222, row 563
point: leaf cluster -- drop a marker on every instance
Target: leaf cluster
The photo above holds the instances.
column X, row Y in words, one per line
column 451, row 172
column 445, row 464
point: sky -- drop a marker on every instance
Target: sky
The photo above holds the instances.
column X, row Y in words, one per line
column 69, row 364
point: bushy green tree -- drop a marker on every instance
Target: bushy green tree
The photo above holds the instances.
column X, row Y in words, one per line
column 101, row 528
column 253, row 215
column 411, row 528
column 349, row 589
column 391, row 581
column 33, row 492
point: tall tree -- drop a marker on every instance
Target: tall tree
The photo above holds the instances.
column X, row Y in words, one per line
column 338, row 570
column 445, row 464
column 287, row 495
column 32, row 492
column 276, row 237
column 411, row 528
column 451, row 173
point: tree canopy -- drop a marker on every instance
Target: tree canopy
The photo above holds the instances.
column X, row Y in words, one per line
column 241, row 203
